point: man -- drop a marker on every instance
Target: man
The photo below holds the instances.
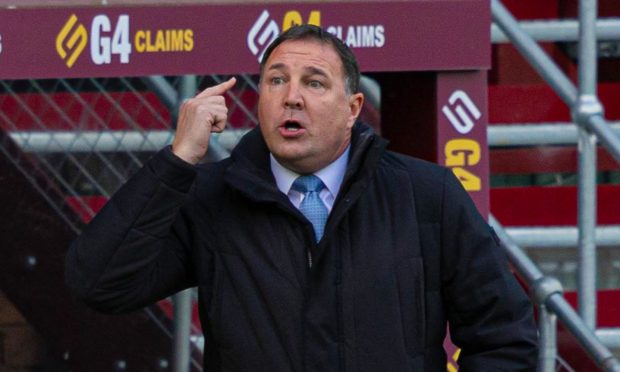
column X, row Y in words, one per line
column 402, row 252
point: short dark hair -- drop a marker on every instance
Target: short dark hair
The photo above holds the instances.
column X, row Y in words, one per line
column 302, row 32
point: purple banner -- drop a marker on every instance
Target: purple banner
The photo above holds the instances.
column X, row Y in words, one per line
column 229, row 39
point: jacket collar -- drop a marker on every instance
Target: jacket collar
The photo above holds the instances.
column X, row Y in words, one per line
column 250, row 173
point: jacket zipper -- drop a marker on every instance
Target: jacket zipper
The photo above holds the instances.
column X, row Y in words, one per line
column 309, row 258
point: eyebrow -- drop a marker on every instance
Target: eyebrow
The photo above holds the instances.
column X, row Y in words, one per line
column 311, row 69
column 315, row 71
column 277, row 66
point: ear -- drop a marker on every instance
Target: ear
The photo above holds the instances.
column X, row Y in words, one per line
column 356, row 101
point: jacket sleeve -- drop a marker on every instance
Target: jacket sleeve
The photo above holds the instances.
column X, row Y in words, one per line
column 135, row 251
column 489, row 314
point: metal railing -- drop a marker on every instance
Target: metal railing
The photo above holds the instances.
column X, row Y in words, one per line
column 560, row 30
column 86, row 137
column 531, row 134
column 547, row 293
column 587, row 113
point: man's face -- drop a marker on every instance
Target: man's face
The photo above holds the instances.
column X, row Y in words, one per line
column 305, row 112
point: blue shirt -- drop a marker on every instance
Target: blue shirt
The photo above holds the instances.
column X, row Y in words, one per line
column 332, row 176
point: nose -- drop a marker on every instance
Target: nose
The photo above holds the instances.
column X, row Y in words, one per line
column 293, row 99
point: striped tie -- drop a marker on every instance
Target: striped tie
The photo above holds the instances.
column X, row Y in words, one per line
column 312, row 206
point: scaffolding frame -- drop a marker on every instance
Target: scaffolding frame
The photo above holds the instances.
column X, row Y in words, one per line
column 587, row 114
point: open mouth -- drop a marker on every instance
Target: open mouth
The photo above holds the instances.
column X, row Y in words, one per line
column 292, row 125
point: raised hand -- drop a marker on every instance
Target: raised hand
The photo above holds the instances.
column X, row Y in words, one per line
column 198, row 117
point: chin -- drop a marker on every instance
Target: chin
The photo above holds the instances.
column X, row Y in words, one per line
column 286, row 150
column 286, row 158
column 293, row 161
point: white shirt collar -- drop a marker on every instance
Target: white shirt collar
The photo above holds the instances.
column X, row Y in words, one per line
column 332, row 176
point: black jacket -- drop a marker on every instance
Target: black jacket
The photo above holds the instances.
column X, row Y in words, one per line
column 404, row 251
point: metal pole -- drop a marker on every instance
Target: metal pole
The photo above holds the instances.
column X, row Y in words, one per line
column 164, row 91
column 539, row 134
column 560, row 30
column 555, row 77
column 183, row 299
column 610, row 337
column 606, row 135
column 586, row 221
column 182, row 325
column 587, row 47
column 561, row 236
column 548, row 291
column 547, row 347
column 499, row 135
column 524, row 265
column 584, row 335
column 539, row 60
column 587, row 105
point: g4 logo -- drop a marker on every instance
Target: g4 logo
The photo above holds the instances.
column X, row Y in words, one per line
column 463, row 153
column 265, row 30
column 71, row 40
column 102, row 46
column 293, row 17
column 258, row 42
column 73, row 37
column 466, row 111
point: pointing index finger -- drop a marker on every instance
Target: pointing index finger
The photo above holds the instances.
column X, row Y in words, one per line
column 219, row 89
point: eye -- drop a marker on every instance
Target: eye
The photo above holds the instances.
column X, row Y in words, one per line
column 315, row 84
column 276, row 80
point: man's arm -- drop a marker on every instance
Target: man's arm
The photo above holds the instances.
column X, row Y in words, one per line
column 489, row 314
column 137, row 249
